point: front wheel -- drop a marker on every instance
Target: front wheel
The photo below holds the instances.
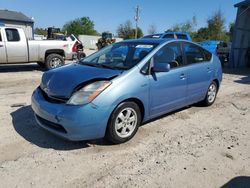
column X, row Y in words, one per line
column 54, row 61
column 211, row 94
column 123, row 123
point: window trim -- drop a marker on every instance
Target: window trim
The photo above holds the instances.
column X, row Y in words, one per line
column 185, row 57
column 17, row 33
column 150, row 59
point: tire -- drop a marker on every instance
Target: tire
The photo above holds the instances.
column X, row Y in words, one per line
column 41, row 64
column 211, row 94
column 123, row 123
column 53, row 61
column 81, row 55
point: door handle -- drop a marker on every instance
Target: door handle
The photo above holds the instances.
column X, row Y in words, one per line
column 1, row 45
column 182, row 76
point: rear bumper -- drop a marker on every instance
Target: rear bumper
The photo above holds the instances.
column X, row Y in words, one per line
column 70, row 122
column 70, row 56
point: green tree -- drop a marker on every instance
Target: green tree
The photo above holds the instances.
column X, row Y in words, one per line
column 201, row 34
column 216, row 26
column 41, row 31
column 126, row 31
column 80, row 26
column 188, row 26
column 231, row 30
column 139, row 33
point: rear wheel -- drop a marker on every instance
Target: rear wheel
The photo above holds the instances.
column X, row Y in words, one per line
column 54, row 61
column 211, row 94
column 123, row 123
column 81, row 55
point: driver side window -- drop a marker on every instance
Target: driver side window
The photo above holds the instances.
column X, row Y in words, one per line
column 171, row 54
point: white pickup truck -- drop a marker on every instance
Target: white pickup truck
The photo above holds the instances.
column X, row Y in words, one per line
column 15, row 48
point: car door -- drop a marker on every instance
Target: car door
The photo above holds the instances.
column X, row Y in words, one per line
column 168, row 89
column 199, row 71
column 2, row 49
column 15, row 47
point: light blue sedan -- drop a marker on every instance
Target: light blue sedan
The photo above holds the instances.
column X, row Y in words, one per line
column 113, row 91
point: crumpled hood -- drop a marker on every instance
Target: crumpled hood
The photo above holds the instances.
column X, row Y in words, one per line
column 61, row 82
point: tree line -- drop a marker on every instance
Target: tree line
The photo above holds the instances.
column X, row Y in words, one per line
column 215, row 28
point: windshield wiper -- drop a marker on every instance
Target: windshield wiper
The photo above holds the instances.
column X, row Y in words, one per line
column 106, row 66
column 87, row 63
column 102, row 65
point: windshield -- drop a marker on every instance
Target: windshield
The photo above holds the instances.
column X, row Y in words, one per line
column 123, row 55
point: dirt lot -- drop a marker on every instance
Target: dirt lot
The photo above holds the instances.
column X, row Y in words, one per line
column 194, row 147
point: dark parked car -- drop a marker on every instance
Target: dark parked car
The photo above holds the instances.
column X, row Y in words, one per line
column 223, row 51
column 220, row 48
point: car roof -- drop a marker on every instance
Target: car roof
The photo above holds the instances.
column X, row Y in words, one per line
column 149, row 40
column 178, row 33
column 171, row 32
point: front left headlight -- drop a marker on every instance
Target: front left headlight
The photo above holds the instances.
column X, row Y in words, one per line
column 88, row 93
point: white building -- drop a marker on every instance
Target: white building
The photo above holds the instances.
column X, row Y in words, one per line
column 17, row 19
column 240, row 52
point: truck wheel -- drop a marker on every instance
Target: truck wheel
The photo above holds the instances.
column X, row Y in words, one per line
column 54, row 61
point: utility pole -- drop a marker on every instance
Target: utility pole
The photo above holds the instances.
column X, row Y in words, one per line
column 137, row 18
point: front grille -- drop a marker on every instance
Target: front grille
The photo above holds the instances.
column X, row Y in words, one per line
column 53, row 99
column 49, row 124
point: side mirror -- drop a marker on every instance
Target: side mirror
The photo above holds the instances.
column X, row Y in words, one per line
column 158, row 67
column 161, row 67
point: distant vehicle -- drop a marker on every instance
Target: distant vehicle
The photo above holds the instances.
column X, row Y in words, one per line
column 78, row 47
column 55, row 34
column 113, row 91
column 170, row 35
column 219, row 48
column 105, row 40
column 210, row 45
column 15, row 48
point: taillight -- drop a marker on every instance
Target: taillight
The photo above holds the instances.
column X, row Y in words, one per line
column 74, row 48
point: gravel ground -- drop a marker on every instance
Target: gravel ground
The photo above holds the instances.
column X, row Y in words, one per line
column 193, row 147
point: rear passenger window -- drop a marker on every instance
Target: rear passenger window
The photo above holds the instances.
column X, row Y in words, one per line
column 207, row 55
column 196, row 54
column 181, row 36
column 0, row 36
column 12, row 35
